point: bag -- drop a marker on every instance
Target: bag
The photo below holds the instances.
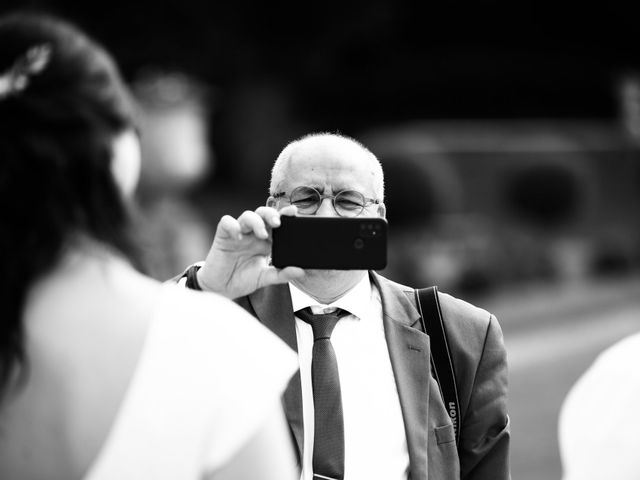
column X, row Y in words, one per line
column 441, row 363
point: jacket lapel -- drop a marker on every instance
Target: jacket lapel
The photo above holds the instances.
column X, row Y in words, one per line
column 410, row 359
column 273, row 308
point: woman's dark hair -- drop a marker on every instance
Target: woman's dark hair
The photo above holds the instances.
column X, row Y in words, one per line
column 57, row 124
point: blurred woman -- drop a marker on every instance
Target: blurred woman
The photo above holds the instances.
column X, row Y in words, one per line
column 599, row 418
column 104, row 372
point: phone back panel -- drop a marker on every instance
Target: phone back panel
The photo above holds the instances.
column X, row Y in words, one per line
column 333, row 243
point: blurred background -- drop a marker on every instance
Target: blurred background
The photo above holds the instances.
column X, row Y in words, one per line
column 509, row 133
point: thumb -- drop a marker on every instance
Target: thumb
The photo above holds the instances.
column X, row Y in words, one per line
column 273, row 275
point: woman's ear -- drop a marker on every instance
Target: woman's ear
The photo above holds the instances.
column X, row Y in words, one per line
column 271, row 202
column 125, row 161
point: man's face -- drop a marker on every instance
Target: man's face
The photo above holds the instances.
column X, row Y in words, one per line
column 331, row 166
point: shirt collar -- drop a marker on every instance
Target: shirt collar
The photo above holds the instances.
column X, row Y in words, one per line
column 355, row 301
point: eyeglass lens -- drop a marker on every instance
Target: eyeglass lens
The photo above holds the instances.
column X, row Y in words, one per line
column 347, row 203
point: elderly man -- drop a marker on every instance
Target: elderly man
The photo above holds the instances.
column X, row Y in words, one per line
column 390, row 418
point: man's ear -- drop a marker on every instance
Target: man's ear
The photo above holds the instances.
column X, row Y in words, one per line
column 271, row 202
column 382, row 210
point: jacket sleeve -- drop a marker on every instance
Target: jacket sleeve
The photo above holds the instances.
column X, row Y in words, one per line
column 485, row 433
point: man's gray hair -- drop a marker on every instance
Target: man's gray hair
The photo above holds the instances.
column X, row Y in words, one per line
column 281, row 163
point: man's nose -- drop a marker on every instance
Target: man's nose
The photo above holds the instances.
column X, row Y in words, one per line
column 326, row 208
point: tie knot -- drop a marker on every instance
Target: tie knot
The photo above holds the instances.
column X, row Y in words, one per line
column 322, row 324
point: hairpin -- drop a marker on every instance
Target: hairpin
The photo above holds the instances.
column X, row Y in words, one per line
column 16, row 78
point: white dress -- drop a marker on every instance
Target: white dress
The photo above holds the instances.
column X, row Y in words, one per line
column 600, row 418
column 208, row 375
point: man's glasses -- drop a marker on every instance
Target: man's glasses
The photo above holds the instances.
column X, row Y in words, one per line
column 347, row 203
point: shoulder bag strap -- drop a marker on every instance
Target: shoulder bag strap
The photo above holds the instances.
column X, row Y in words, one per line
column 441, row 362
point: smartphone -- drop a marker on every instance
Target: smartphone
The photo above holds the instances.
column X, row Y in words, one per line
column 333, row 243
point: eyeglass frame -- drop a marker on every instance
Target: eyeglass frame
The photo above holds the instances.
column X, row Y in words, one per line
column 321, row 196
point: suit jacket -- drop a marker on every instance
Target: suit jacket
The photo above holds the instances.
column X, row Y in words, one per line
column 479, row 358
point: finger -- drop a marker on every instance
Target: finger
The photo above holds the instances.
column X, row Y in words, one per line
column 272, row 275
column 270, row 215
column 228, row 227
column 289, row 210
column 252, row 222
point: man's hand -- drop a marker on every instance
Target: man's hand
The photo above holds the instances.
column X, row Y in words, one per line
column 238, row 262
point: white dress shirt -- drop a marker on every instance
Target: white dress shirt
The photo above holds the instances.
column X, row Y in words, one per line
column 375, row 439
